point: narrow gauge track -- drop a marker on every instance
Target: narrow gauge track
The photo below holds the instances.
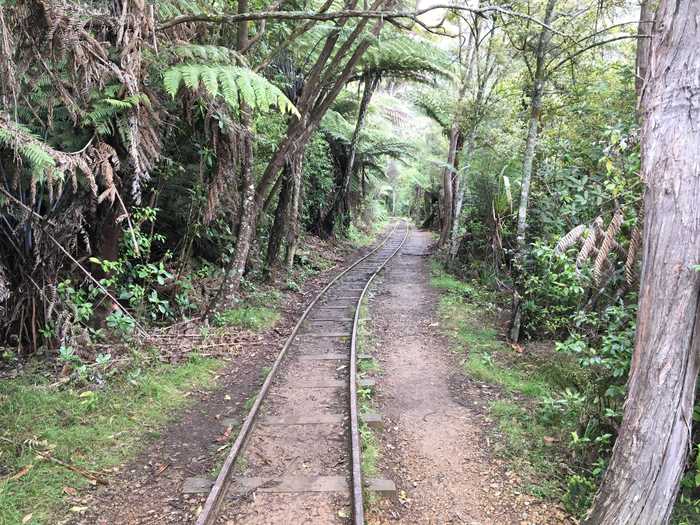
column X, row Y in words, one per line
column 299, row 445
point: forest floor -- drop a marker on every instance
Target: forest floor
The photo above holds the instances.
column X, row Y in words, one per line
column 144, row 429
column 438, row 437
column 441, row 442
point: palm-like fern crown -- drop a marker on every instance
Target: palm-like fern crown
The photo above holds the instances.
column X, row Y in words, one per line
column 212, row 70
column 436, row 104
column 408, row 58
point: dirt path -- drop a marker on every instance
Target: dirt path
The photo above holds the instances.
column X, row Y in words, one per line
column 433, row 446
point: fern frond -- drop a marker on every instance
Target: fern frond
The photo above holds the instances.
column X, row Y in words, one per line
column 210, row 81
column 570, row 238
column 407, row 58
column 633, row 252
column 590, row 243
column 236, row 85
column 172, row 79
column 607, row 245
column 208, row 54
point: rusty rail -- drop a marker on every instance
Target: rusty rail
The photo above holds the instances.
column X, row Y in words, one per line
column 358, row 511
column 211, row 507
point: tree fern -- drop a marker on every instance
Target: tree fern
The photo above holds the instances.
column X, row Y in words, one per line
column 208, row 54
column 235, row 85
column 435, row 105
column 28, row 147
column 103, row 111
column 171, row 8
column 407, row 58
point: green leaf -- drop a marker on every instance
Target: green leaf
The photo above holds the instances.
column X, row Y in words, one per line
column 171, row 81
column 209, row 79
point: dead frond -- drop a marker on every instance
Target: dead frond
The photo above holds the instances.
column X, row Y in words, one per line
column 607, row 246
column 570, row 238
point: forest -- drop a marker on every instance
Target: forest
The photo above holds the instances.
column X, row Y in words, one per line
column 177, row 175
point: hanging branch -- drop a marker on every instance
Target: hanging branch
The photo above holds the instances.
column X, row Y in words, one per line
column 392, row 17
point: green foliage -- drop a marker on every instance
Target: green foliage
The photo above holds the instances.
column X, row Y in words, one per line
column 28, row 147
column 92, row 430
column 101, row 115
column 551, row 409
column 235, row 85
column 402, row 57
column 553, row 291
column 207, row 53
column 249, row 317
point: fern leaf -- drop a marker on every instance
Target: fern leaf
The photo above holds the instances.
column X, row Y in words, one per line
column 190, row 75
column 570, row 239
column 229, row 89
column 210, row 81
column 607, row 245
column 172, row 80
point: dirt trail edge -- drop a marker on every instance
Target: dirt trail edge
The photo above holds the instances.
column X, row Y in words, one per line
column 432, row 446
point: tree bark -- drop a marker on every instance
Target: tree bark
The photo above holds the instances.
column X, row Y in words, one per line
column 340, row 198
column 650, row 453
column 293, row 224
column 539, row 80
column 279, row 225
column 248, row 214
column 448, row 174
column 644, row 30
column 459, row 197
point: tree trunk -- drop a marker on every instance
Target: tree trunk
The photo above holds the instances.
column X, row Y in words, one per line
column 538, row 85
column 293, row 225
column 340, row 199
column 279, row 226
column 248, row 215
column 447, row 183
column 644, row 30
column 459, row 192
column 371, row 82
column 650, row 453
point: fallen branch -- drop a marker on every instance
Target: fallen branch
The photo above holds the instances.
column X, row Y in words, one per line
column 91, row 476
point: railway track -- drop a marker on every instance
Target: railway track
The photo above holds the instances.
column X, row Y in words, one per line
column 297, row 457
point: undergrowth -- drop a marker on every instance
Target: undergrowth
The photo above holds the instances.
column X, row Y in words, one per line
column 534, row 411
column 92, row 430
column 249, row 317
column 549, row 423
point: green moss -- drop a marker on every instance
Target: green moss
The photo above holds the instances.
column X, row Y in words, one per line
column 90, row 430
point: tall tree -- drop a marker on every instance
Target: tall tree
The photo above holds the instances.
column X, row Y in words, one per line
column 539, row 79
column 333, row 67
column 478, row 84
column 641, row 482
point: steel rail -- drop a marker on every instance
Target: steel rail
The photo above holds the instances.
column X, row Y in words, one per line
column 358, row 511
column 214, row 499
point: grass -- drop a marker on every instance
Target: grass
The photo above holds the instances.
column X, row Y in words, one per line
column 248, row 317
column 91, row 430
column 531, row 435
column 367, row 234
column 526, row 381
column 369, row 443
